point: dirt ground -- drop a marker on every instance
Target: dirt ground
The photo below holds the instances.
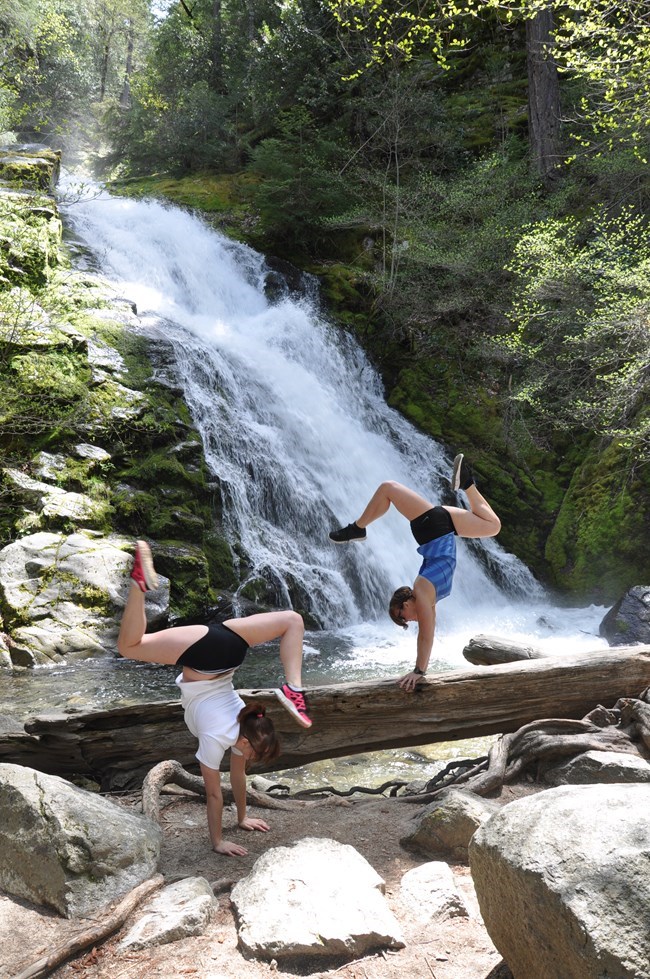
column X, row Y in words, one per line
column 458, row 948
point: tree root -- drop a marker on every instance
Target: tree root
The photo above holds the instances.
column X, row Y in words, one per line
column 624, row 728
column 95, row 934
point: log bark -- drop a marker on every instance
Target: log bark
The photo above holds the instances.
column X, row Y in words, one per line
column 118, row 747
column 96, row 933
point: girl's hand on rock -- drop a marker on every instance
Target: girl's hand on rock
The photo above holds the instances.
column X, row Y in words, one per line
column 248, row 822
column 230, row 849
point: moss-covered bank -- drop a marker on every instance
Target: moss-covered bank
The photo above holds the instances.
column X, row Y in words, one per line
column 84, row 421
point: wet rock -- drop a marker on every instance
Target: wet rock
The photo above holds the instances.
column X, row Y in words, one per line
column 628, row 622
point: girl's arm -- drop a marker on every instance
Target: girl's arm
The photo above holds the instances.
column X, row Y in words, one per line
column 214, row 796
column 238, row 785
column 425, row 603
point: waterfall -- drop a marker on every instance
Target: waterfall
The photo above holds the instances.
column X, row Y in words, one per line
column 298, row 434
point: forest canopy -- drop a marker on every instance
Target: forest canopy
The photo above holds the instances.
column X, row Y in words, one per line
column 474, row 169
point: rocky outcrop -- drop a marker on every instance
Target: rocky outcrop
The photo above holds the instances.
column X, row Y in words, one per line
column 318, row 899
column 562, row 882
column 68, row 592
column 628, row 621
column 96, row 442
column 69, row 849
column 32, row 166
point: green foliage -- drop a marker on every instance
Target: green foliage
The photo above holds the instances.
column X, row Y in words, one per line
column 300, row 169
column 582, row 343
column 598, row 545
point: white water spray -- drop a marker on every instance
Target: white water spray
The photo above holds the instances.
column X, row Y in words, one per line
column 296, row 429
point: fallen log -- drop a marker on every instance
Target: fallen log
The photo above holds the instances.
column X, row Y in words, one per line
column 492, row 650
column 117, row 747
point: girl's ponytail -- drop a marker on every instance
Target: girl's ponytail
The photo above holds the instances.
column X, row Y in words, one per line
column 258, row 730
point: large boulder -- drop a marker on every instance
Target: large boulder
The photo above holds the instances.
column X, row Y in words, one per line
column 63, row 595
column 318, row 899
column 628, row 621
column 52, row 506
column 563, row 885
column 447, row 825
column 69, row 849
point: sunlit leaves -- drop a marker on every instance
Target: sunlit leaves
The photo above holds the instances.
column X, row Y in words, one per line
column 581, row 337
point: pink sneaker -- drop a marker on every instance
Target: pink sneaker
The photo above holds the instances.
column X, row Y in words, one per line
column 144, row 573
column 295, row 702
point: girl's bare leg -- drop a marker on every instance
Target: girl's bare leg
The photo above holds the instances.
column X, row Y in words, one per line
column 479, row 521
column 160, row 647
column 409, row 503
column 286, row 626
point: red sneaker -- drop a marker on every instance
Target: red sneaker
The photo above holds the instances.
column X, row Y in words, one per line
column 295, row 702
column 144, row 573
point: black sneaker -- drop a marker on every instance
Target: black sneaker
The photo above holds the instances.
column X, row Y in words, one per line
column 462, row 476
column 347, row 534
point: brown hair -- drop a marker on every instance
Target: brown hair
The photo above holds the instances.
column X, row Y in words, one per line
column 258, row 729
column 395, row 605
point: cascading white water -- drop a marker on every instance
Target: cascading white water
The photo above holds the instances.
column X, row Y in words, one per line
column 297, row 431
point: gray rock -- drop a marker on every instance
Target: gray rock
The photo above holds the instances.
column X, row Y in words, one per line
column 102, row 356
column 563, row 885
column 69, row 849
column 179, row 911
column 48, row 465
column 319, row 899
column 94, row 452
column 52, row 504
column 429, row 893
column 70, row 590
column 628, row 622
column 447, row 825
column 601, row 767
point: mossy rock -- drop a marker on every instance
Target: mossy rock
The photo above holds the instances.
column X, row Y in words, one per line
column 187, row 568
column 598, row 546
column 29, row 169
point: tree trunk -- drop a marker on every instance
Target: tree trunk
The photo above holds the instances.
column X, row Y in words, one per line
column 543, row 96
column 216, row 71
column 125, row 97
column 117, row 747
